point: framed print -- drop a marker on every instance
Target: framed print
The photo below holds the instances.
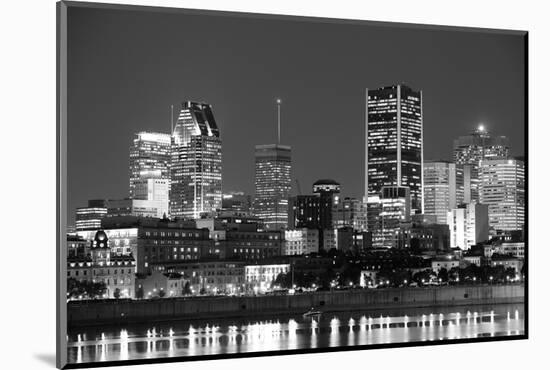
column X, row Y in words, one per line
column 235, row 184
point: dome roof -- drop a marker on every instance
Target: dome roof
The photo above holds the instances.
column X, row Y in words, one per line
column 100, row 239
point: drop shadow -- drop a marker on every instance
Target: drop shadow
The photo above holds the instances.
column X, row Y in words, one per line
column 47, row 358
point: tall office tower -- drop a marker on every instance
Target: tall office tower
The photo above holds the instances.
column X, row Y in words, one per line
column 470, row 150
column 443, row 188
column 89, row 218
column 196, row 163
column 502, row 188
column 394, row 149
column 272, row 185
column 468, row 225
column 149, row 158
column 328, row 191
column 156, row 192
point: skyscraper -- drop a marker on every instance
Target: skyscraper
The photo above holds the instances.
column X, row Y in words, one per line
column 502, row 188
column 394, row 149
column 469, row 150
column 196, row 162
column 155, row 190
column 468, row 225
column 272, row 184
column 389, row 216
column 149, row 158
column 443, row 188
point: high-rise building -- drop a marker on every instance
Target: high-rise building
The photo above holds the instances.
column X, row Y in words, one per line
column 502, row 188
column 328, row 191
column 468, row 225
column 149, row 158
column 272, row 185
column 469, row 150
column 443, row 188
column 136, row 207
column 196, row 163
column 394, row 149
column 89, row 218
column 389, row 217
column 154, row 190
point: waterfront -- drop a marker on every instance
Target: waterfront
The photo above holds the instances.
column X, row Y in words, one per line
column 286, row 332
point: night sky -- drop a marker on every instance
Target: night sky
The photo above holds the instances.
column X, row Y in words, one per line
column 126, row 68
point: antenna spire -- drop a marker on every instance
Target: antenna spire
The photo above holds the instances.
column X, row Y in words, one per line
column 172, row 119
column 279, row 101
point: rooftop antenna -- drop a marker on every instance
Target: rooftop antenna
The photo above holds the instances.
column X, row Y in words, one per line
column 279, row 101
column 172, row 119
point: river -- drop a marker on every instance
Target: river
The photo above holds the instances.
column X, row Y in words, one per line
column 225, row 336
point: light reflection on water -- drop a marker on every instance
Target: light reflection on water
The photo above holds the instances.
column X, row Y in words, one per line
column 220, row 336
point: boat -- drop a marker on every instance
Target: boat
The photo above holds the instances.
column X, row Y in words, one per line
column 312, row 312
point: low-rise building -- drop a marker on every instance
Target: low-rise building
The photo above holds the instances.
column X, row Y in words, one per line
column 259, row 278
column 100, row 265
column 446, row 262
column 161, row 284
column 301, row 241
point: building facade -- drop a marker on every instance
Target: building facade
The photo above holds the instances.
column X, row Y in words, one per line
column 301, row 241
column 149, row 158
column 502, row 188
column 443, row 188
column 272, row 185
column 117, row 272
column 155, row 190
column 394, row 148
column 468, row 225
column 469, row 150
column 196, row 163
column 89, row 218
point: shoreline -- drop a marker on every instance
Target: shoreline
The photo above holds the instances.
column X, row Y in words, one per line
column 97, row 313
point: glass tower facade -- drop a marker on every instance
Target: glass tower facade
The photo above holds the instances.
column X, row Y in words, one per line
column 272, row 185
column 394, row 141
column 443, row 188
column 196, row 163
column 469, row 150
column 502, row 188
column 149, row 158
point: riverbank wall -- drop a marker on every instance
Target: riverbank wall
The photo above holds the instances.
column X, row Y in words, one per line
column 104, row 312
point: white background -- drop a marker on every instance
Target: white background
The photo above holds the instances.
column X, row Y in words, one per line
column 27, row 168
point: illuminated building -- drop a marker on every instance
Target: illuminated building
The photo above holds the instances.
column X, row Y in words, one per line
column 259, row 278
column 350, row 212
column 101, row 265
column 237, row 201
column 160, row 284
column 394, row 141
column 443, row 188
column 210, row 277
column 89, row 218
column 429, row 237
column 468, row 225
column 136, row 207
column 470, row 150
column 156, row 192
column 77, row 246
column 149, row 158
column 251, row 245
column 502, row 188
column 272, row 185
column 389, row 216
column 196, row 163
column 301, row 241
column 154, row 241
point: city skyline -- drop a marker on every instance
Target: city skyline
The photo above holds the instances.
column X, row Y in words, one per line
column 308, row 118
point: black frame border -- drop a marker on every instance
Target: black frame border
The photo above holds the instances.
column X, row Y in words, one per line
column 61, row 185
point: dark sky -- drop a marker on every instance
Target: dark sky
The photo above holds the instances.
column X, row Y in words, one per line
column 127, row 67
